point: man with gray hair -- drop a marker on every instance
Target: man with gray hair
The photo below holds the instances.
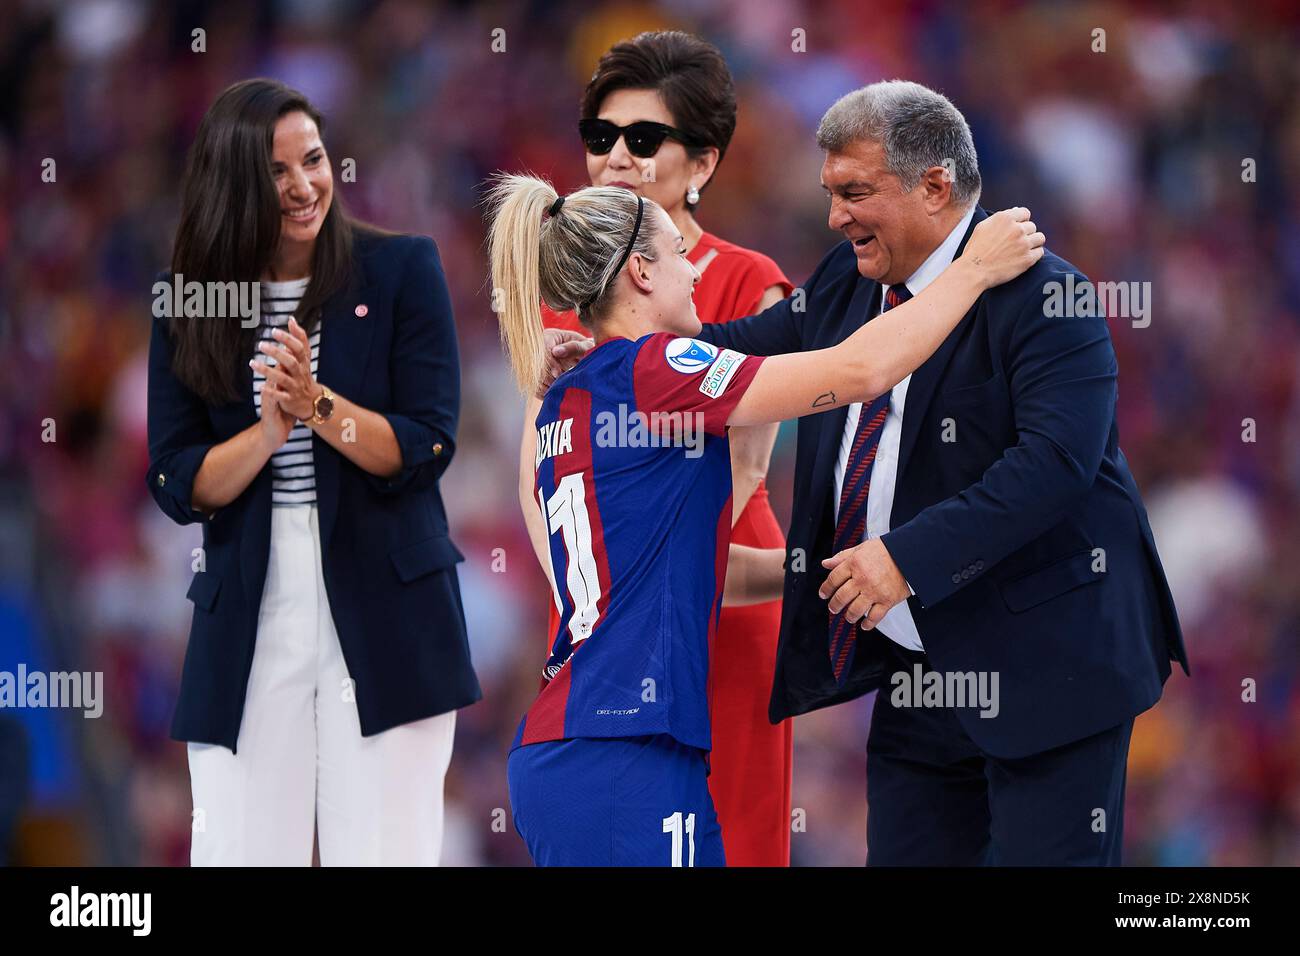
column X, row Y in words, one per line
column 978, row 526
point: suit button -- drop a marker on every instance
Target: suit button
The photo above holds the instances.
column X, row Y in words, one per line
column 956, row 579
column 162, row 479
column 965, row 573
column 979, row 565
column 437, row 448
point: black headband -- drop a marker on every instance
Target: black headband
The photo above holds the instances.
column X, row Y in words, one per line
column 555, row 206
column 627, row 250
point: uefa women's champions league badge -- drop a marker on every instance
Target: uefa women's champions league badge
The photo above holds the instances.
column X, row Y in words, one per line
column 689, row 356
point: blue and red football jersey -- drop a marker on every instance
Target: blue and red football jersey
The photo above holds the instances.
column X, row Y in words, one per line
column 634, row 483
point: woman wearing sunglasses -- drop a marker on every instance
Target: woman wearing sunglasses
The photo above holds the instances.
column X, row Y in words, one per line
column 657, row 117
column 609, row 766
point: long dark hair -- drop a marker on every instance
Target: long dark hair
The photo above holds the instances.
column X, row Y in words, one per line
column 689, row 73
column 230, row 228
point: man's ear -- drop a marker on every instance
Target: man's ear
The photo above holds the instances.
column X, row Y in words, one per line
column 638, row 271
column 936, row 185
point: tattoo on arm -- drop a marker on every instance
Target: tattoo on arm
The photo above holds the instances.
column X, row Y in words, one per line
column 824, row 399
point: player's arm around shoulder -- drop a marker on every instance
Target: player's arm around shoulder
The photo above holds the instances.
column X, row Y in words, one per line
column 884, row 351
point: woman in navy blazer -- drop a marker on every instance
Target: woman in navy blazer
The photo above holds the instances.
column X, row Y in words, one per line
column 328, row 653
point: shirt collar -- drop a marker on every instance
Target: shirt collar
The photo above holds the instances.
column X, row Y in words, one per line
column 939, row 260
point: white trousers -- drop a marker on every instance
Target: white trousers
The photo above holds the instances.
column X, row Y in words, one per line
column 301, row 764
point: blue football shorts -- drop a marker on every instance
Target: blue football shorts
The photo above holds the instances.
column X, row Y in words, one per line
column 626, row 801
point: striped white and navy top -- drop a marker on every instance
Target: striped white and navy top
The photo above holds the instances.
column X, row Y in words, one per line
column 293, row 476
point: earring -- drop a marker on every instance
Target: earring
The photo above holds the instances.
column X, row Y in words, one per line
column 692, row 196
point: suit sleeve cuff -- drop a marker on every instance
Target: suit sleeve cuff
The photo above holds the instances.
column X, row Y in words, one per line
column 425, row 455
column 171, row 482
column 921, row 578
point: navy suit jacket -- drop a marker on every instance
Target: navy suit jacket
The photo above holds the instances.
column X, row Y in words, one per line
column 389, row 563
column 1023, row 535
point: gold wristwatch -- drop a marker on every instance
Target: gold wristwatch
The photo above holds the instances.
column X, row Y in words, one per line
column 323, row 407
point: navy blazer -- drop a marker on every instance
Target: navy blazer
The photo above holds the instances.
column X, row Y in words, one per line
column 1023, row 535
column 389, row 564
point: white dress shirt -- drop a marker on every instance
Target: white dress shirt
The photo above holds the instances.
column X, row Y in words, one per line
column 898, row 624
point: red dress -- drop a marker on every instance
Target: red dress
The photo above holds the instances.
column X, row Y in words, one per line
column 751, row 763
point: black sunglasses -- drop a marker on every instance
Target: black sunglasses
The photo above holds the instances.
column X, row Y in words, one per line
column 643, row 138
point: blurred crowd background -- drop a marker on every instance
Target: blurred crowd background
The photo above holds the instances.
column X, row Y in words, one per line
column 1169, row 158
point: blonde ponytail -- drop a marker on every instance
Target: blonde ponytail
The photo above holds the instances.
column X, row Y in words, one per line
column 517, row 204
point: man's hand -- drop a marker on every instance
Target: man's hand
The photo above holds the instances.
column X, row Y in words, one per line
column 564, row 349
column 864, row 580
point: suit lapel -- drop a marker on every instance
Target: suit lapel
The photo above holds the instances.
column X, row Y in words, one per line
column 345, row 338
column 925, row 380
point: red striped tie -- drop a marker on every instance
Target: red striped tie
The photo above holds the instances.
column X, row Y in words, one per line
column 852, row 522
